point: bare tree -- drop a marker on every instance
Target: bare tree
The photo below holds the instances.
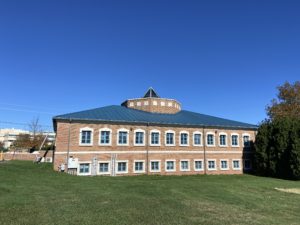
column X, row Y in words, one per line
column 35, row 127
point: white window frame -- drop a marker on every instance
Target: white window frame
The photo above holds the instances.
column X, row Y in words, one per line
column 138, row 104
column 170, row 160
column 154, row 103
column 134, row 137
column 214, row 138
column 150, row 167
column 238, row 140
column 243, row 135
column 226, row 139
column 189, row 165
column 162, row 103
column 123, row 130
column 207, row 165
column 110, row 135
column 247, row 168
column 139, row 171
column 201, row 138
column 170, row 104
column 131, row 104
column 188, row 138
column 226, row 160
column 150, row 137
column 240, row 168
column 103, row 173
column 84, row 174
column 146, row 103
column 80, row 136
column 174, row 137
column 195, row 160
column 116, row 166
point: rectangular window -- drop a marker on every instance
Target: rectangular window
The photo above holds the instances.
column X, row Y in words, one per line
column 223, row 140
column 197, row 139
column 211, row 165
column 155, row 166
column 236, row 164
column 86, row 137
column 122, row 167
column 224, row 164
column 170, row 165
column 84, row 168
column 210, row 139
column 139, row 166
column 123, row 137
column 234, row 140
column 154, row 138
column 103, row 167
column 169, row 138
column 184, row 165
column 105, row 137
column 246, row 140
column 139, row 138
column 198, row 165
column 184, row 139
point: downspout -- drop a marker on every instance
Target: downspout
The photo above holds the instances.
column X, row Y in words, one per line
column 204, row 151
column 68, row 151
column 147, row 149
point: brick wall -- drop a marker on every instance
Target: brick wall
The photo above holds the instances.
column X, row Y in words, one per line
column 147, row 153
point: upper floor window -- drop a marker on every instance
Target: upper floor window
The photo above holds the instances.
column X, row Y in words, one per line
column 210, row 139
column 234, row 140
column 155, row 139
column 105, row 137
column 139, row 137
column 170, row 138
column 123, row 137
column 86, row 136
column 197, row 138
column 223, row 141
column 184, row 138
column 246, row 140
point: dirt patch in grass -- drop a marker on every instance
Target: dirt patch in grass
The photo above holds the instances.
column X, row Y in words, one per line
column 289, row 190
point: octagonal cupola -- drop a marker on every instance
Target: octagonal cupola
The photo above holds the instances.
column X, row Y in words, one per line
column 152, row 102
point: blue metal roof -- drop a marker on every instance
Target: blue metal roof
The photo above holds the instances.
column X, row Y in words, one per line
column 121, row 114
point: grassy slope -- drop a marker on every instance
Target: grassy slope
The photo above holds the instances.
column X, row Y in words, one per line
column 34, row 194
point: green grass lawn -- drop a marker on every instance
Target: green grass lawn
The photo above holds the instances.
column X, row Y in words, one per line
column 34, row 194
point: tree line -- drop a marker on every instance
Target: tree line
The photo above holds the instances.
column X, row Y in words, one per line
column 277, row 144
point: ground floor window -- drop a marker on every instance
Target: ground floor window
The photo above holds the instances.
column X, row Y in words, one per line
column 224, row 164
column 184, row 165
column 103, row 167
column 170, row 165
column 155, row 166
column 236, row 164
column 122, row 167
column 139, row 166
column 84, row 168
column 198, row 165
column 211, row 165
column 247, row 164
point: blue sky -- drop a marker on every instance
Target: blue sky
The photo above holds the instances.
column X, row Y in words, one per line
column 222, row 58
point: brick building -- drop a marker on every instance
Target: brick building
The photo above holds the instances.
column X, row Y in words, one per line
column 151, row 135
